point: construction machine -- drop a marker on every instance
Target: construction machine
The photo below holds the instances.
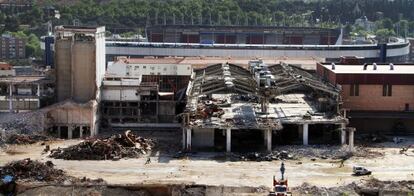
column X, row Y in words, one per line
column 280, row 186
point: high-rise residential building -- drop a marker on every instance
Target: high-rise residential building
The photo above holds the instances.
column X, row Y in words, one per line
column 12, row 47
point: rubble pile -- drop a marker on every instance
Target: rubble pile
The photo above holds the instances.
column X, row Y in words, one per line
column 23, row 123
column 112, row 148
column 25, row 139
column 327, row 151
column 28, row 170
column 307, row 189
column 370, row 186
column 255, row 156
column 294, row 152
column 374, row 183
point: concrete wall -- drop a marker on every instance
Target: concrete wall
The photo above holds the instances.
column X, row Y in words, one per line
column 118, row 94
column 370, row 98
column 70, row 115
column 124, row 69
column 63, row 69
column 382, row 125
column 166, row 108
column 83, row 71
column 329, row 52
column 19, row 105
column 203, row 138
column 100, row 56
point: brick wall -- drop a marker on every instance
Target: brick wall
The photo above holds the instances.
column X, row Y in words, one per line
column 371, row 98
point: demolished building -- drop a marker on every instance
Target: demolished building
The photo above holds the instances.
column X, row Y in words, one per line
column 80, row 68
column 144, row 92
column 232, row 108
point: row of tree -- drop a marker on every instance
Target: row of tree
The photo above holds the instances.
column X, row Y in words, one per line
column 139, row 13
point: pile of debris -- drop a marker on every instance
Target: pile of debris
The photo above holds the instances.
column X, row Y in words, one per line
column 307, row 189
column 24, row 122
column 112, row 148
column 327, row 151
column 370, row 186
column 28, row 170
column 255, row 156
column 294, row 152
column 25, row 139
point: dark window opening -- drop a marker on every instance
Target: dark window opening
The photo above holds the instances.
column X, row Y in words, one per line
column 354, row 90
column 387, row 90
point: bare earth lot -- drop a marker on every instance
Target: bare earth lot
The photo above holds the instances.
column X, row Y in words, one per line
column 205, row 168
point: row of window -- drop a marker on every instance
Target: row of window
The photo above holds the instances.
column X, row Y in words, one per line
column 386, row 90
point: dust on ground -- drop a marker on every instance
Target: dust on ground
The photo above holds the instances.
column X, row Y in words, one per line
column 204, row 168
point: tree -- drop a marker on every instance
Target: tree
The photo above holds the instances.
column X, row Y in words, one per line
column 384, row 34
column 11, row 24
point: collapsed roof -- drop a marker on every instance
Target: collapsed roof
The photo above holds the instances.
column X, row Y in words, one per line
column 226, row 95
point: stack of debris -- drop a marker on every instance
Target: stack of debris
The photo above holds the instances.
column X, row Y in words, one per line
column 33, row 171
column 25, row 122
column 112, row 148
column 25, row 139
column 255, row 156
column 370, row 186
column 29, row 170
column 307, row 189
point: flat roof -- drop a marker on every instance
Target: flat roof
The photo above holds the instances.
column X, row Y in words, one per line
column 381, row 69
column 150, row 60
column 25, row 79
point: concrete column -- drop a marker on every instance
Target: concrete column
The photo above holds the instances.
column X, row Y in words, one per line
column 81, row 132
column 188, row 144
column 300, row 132
column 70, row 132
column 184, row 138
column 38, row 95
column 59, row 132
column 228, row 140
column 269, row 140
column 305, row 134
column 10, row 98
column 343, row 134
column 351, row 139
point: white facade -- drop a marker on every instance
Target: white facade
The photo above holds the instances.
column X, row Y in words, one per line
column 123, row 69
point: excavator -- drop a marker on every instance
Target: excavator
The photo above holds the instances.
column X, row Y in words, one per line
column 280, row 186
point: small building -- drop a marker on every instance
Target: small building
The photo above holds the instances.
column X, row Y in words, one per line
column 231, row 108
column 6, row 70
column 12, row 47
column 24, row 93
column 377, row 97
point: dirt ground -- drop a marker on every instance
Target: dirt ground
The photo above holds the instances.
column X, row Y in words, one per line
column 208, row 169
